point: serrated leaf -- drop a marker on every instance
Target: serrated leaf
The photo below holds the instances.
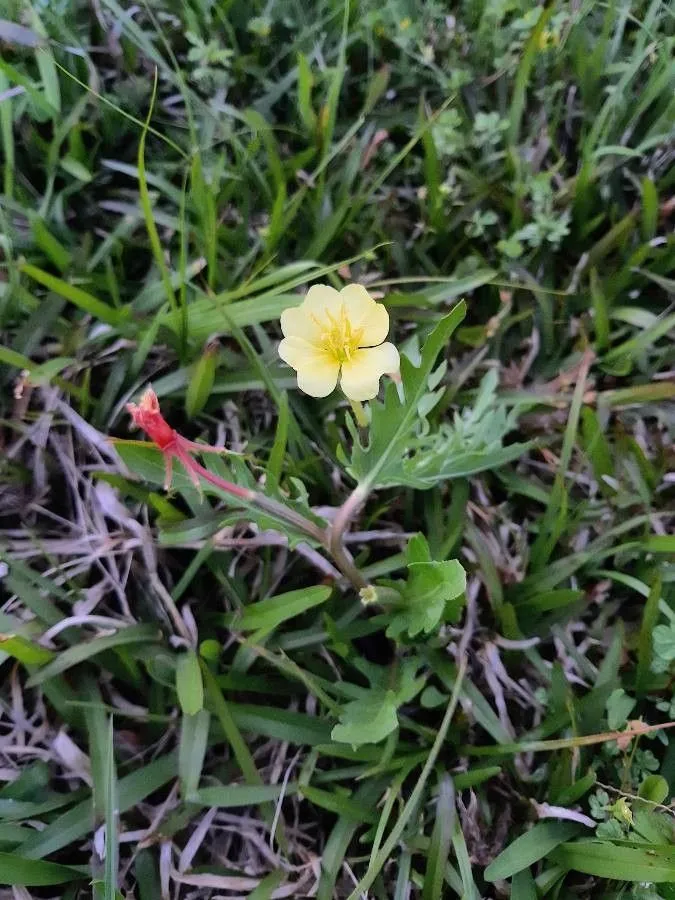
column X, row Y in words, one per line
column 434, row 591
column 405, row 451
column 393, row 420
column 368, row 720
column 373, row 716
column 619, row 707
column 417, row 550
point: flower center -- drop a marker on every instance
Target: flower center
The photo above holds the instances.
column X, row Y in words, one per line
column 338, row 336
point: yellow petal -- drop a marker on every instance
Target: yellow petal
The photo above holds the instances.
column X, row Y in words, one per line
column 310, row 319
column 361, row 374
column 366, row 314
column 317, row 370
column 318, row 377
column 320, row 299
column 296, row 323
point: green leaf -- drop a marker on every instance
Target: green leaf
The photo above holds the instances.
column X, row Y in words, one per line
column 428, row 594
column 655, row 827
column 267, row 886
column 664, row 642
column 427, row 597
column 75, row 168
column 441, row 839
column 76, row 822
column 189, row 685
column 619, row 707
column 111, row 815
column 27, row 652
column 392, row 421
column 376, row 88
column 418, row 550
column 146, row 206
column 338, row 803
column 455, row 287
column 367, row 721
column 36, row 95
column 654, row 788
column 270, row 613
column 649, row 208
column 52, row 247
column 78, row 653
column 280, row 724
column 529, row 848
column 147, row 876
column 194, row 734
column 76, row 296
column 205, row 314
column 527, row 61
column 335, row 848
column 15, row 870
column 201, row 380
column 233, row 796
column 371, row 717
column 620, row 863
column 523, row 886
column 46, row 64
column 304, row 99
column 472, row 442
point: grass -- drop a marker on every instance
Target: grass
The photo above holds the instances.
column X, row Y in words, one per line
column 195, row 703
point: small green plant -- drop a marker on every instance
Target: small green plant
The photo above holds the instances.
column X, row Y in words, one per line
column 210, row 62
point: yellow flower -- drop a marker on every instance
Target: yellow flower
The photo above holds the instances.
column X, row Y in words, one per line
column 338, row 334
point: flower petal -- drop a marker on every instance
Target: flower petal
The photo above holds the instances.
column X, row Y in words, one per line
column 317, row 370
column 309, row 320
column 296, row 323
column 361, row 374
column 320, row 299
column 365, row 313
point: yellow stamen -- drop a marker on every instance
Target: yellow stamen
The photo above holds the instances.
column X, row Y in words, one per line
column 338, row 337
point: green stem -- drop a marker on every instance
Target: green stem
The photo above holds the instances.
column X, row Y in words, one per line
column 302, row 523
column 331, row 540
column 336, row 545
